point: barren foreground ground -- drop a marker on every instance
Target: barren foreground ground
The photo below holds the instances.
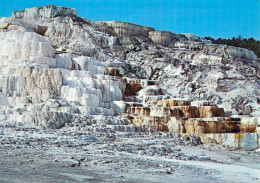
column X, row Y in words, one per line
column 68, row 155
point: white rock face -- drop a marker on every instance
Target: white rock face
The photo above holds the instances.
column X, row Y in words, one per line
column 4, row 25
column 55, row 66
column 192, row 37
column 127, row 29
column 25, row 45
column 39, row 84
column 165, row 38
column 151, row 90
column 44, row 13
column 48, row 87
column 174, row 126
column 241, row 52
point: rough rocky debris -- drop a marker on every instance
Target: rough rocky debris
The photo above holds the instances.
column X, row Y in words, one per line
column 77, row 154
column 58, row 68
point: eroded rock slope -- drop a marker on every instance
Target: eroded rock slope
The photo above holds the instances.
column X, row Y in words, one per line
column 58, row 68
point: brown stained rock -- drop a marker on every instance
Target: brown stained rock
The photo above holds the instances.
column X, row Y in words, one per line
column 197, row 112
column 164, row 114
column 137, row 120
column 132, row 89
column 211, row 111
column 185, row 111
column 197, row 127
column 40, row 29
column 247, row 128
column 194, row 127
column 171, row 103
column 230, row 126
column 213, row 127
column 122, row 85
column 114, row 72
column 139, row 111
column 160, row 111
column 133, row 104
column 161, row 123
column 178, row 116
column 149, row 111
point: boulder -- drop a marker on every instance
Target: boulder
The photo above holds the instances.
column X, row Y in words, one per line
column 165, row 38
column 4, row 25
column 192, row 37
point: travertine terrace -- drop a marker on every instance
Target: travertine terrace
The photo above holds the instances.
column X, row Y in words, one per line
column 113, row 80
column 61, row 67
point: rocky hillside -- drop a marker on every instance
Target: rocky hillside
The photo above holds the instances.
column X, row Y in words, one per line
column 58, row 68
column 84, row 101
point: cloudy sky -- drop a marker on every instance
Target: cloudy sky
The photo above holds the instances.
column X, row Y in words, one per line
column 215, row 18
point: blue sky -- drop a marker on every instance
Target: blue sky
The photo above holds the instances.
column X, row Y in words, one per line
column 215, row 18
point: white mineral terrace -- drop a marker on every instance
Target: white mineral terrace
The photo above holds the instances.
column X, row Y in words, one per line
column 80, row 98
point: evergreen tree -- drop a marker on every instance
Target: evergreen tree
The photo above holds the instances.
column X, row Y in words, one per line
column 250, row 43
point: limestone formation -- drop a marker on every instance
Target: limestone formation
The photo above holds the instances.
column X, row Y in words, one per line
column 44, row 13
column 165, row 38
column 58, row 68
column 124, row 29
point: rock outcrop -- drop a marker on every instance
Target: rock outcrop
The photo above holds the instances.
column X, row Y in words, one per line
column 40, row 80
column 166, row 38
column 58, row 68
column 44, row 13
column 124, row 29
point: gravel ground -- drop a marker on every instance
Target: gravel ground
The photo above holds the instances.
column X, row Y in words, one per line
column 67, row 155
